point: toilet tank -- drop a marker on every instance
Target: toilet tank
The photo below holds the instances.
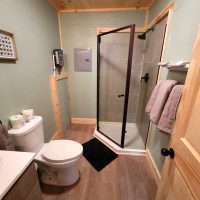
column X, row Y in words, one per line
column 30, row 137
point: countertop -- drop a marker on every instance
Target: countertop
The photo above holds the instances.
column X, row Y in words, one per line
column 12, row 166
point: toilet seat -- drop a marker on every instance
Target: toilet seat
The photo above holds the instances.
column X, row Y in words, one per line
column 59, row 151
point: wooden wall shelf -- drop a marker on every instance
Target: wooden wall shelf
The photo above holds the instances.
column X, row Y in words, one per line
column 182, row 69
column 60, row 77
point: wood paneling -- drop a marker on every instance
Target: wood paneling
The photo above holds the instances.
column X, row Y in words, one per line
column 176, row 187
column 56, row 104
column 127, row 177
column 55, row 100
column 103, row 5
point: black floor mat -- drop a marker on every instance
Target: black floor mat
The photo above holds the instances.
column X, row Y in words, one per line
column 97, row 154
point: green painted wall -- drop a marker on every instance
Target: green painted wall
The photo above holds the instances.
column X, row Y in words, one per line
column 184, row 23
column 157, row 7
column 183, row 30
column 25, row 84
column 79, row 30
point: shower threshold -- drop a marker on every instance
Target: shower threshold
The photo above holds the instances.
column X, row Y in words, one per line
column 133, row 142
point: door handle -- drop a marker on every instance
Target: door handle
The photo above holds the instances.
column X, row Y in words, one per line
column 121, row 95
column 145, row 77
column 166, row 152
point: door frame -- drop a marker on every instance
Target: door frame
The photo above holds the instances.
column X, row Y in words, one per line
column 128, row 77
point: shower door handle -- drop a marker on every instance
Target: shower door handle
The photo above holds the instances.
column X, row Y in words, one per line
column 145, row 77
column 121, row 95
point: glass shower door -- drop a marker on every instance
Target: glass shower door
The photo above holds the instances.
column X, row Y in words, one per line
column 113, row 83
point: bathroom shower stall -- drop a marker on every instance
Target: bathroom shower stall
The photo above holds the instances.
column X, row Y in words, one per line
column 123, row 86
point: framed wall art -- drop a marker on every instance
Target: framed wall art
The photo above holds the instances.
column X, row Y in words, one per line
column 7, row 46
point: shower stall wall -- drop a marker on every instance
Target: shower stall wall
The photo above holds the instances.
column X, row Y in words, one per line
column 124, row 83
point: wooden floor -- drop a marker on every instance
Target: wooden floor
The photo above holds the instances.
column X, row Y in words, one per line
column 126, row 178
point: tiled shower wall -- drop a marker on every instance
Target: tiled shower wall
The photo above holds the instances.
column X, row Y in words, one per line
column 152, row 55
column 113, row 69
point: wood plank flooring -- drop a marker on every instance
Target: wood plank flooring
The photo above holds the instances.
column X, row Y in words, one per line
column 126, row 178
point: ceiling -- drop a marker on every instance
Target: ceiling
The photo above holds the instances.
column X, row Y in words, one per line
column 75, row 5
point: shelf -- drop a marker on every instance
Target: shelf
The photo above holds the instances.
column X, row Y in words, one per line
column 60, row 77
column 175, row 66
column 183, row 69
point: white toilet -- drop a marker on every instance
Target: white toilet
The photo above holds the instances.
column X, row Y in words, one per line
column 57, row 160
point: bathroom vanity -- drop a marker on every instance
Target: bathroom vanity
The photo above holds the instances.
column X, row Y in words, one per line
column 18, row 177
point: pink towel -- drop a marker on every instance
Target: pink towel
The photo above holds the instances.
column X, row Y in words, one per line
column 153, row 97
column 2, row 143
column 5, row 139
column 168, row 116
column 159, row 98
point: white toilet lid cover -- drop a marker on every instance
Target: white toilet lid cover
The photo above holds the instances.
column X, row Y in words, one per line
column 62, row 150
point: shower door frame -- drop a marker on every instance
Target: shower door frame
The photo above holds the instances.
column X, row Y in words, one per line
column 128, row 78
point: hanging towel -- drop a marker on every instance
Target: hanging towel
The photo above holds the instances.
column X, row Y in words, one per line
column 2, row 143
column 159, row 101
column 168, row 116
column 5, row 139
column 153, row 97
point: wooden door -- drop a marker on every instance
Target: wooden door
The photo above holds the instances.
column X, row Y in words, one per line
column 181, row 176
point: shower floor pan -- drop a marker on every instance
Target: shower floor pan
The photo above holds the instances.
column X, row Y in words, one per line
column 133, row 142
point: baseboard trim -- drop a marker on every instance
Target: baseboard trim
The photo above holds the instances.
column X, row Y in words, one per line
column 83, row 121
column 153, row 167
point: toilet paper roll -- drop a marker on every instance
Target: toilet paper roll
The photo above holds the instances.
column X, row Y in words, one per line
column 28, row 114
column 17, row 121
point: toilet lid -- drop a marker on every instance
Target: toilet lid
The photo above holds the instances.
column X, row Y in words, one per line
column 62, row 150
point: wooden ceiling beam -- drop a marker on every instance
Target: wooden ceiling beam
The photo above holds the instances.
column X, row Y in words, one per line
column 87, row 6
column 103, row 9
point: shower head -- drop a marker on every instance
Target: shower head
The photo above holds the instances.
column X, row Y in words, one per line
column 143, row 35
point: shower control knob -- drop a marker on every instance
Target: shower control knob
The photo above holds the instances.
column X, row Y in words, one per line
column 166, row 152
column 145, row 77
column 121, row 95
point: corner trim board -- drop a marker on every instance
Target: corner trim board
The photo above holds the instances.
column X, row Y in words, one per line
column 56, row 104
column 55, row 136
column 60, row 30
column 55, row 100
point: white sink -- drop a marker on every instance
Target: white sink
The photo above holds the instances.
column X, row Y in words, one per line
column 12, row 166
